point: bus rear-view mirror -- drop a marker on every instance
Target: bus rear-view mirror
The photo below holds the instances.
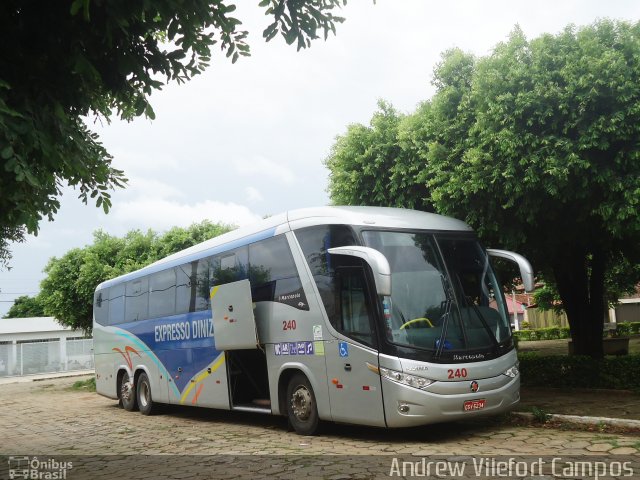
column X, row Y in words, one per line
column 376, row 260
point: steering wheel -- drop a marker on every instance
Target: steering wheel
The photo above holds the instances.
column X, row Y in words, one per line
column 416, row 320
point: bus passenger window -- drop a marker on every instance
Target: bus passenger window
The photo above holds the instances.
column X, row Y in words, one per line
column 101, row 307
column 229, row 267
column 137, row 300
column 162, row 296
column 201, row 286
column 273, row 273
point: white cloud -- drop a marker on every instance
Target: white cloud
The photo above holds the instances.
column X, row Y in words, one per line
column 162, row 214
column 253, row 194
column 262, row 166
column 150, row 188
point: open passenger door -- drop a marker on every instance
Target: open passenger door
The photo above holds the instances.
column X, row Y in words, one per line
column 234, row 326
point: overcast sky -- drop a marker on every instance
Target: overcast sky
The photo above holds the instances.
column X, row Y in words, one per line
column 245, row 140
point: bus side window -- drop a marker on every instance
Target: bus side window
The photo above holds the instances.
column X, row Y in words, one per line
column 230, row 267
column 162, row 293
column 116, row 304
column 184, row 287
column 201, row 286
column 354, row 320
column 137, row 299
column 273, row 273
column 101, row 307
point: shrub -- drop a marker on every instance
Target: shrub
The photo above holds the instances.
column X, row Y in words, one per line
column 555, row 333
column 550, row 333
column 628, row 328
column 621, row 373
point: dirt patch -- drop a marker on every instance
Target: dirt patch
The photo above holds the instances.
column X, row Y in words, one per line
column 582, row 402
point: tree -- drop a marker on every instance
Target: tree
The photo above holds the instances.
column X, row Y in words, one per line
column 362, row 157
column 67, row 291
column 64, row 61
column 535, row 146
column 25, row 307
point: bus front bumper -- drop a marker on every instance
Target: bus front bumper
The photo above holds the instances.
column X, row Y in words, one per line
column 408, row 407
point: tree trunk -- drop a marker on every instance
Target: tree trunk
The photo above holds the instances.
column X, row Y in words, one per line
column 580, row 280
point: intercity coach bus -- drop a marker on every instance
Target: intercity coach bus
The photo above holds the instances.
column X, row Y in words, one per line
column 374, row 316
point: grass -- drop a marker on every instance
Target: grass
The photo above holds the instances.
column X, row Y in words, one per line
column 85, row 385
column 540, row 415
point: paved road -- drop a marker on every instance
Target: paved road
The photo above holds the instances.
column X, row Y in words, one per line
column 47, row 418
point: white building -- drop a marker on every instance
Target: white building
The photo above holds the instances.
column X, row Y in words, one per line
column 41, row 345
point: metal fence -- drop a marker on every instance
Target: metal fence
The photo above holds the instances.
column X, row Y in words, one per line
column 59, row 355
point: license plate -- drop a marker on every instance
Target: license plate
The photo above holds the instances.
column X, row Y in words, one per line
column 471, row 405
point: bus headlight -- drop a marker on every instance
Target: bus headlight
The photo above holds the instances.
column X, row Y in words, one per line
column 513, row 371
column 404, row 379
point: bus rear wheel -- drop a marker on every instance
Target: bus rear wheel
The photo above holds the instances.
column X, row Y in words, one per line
column 127, row 393
column 145, row 401
column 301, row 406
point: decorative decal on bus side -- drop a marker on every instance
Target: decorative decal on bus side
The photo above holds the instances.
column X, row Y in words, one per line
column 207, row 371
column 296, row 299
column 127, row 355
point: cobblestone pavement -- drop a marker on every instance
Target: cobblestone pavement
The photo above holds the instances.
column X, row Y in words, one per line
column 48, row 418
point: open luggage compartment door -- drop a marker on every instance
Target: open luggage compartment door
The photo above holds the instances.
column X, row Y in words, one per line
column 234, row 326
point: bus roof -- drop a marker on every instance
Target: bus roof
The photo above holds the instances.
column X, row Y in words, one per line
column 295, row 219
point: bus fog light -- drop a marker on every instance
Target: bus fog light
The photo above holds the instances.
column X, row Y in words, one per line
column 403, row 408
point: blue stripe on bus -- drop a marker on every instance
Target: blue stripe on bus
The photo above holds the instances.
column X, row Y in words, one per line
column 181, row 341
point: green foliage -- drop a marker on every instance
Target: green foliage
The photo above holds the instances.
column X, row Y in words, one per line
column 25, row 307
column 557, row 371
column 540, row 415
column 62, row 61
column 549, row 333
column 300, row 21
column 548, row 298
column 85, row 385
column 67, row 291
column 626, row 329
column 534, row 146
column 368, row 167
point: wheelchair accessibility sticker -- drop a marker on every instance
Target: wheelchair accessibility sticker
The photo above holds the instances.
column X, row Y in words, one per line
column 343, row 348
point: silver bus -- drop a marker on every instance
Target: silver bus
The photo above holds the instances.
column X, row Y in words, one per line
column 374, row 316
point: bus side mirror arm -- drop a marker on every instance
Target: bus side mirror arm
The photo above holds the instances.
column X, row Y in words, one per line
column 376, row 260
column 526, row 271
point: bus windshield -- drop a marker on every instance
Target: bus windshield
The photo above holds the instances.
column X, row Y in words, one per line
column 444, row 295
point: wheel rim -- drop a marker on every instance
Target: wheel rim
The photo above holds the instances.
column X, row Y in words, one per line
column 144, row 394
column 301, row 403
column 126, row 389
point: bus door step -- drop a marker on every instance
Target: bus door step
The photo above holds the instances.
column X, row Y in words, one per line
column 251, row 408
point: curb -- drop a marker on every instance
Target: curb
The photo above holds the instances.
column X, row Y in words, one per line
column 45, row 376
column 592, row 421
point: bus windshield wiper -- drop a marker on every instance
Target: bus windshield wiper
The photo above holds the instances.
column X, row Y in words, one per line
column 445, row 316
column 483, row 321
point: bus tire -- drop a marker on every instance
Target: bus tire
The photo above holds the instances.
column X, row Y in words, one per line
column 127, row 393
column 302, row 409
column 145, row 400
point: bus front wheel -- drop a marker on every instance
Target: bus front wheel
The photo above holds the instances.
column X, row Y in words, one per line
column 301, row 406
column 127, row 393
column 145, row 401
